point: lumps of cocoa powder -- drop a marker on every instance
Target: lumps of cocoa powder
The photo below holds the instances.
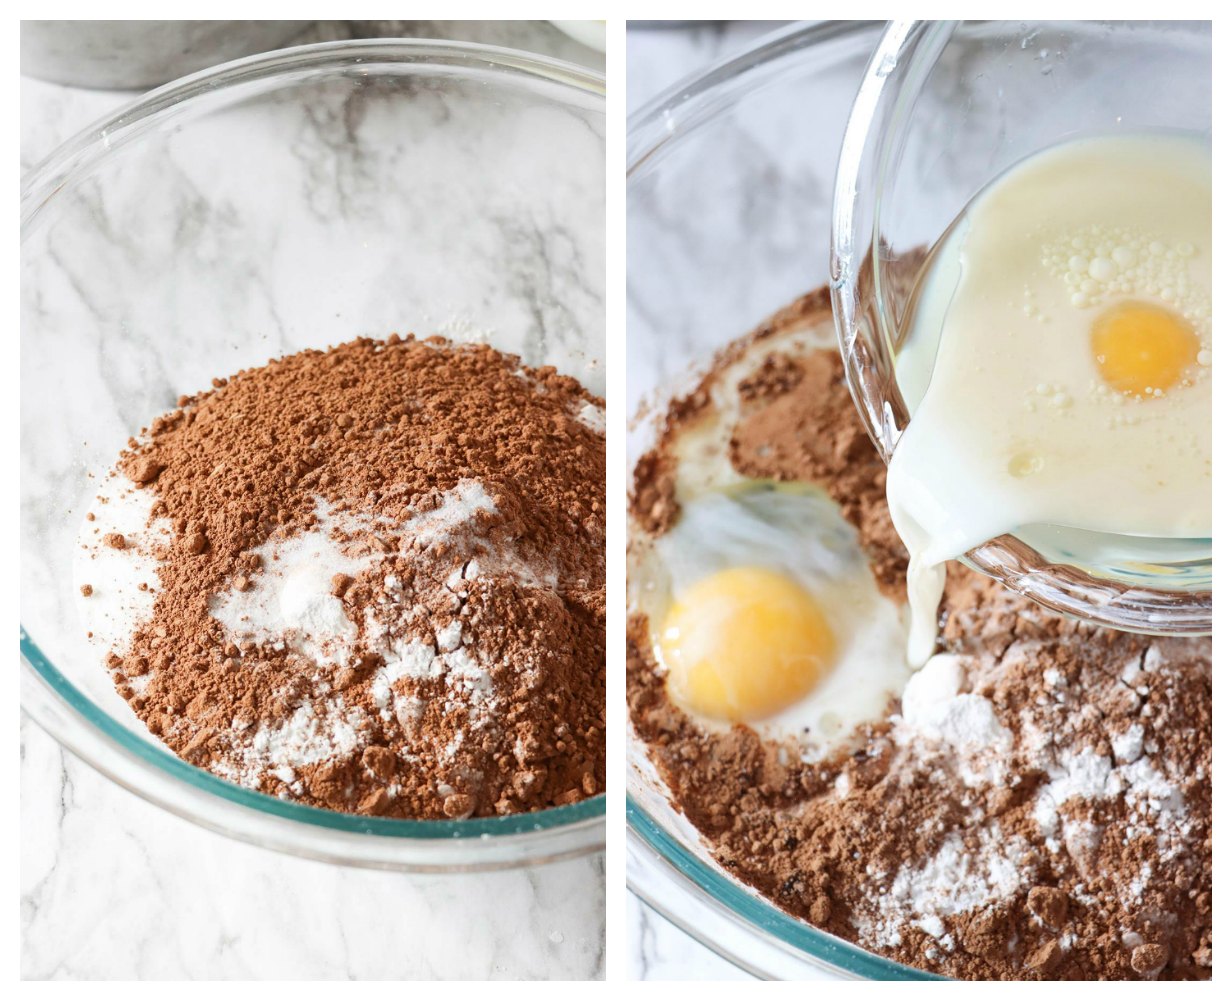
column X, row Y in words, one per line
column 1049, row 904
column 143, row 469
column 1148, row 959
column 381, row 760
column 459, row 805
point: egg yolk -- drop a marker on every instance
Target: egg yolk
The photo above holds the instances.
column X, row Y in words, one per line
column 743, row 644
column 1140, row 348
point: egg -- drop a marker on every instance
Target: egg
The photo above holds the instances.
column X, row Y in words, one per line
column 1056, row 359
column 763, row 611
column 745, row 643
column 1142, row 349
column 761, row 606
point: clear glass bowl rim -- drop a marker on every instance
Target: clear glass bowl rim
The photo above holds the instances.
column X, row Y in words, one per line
column 1066, row 589
column 91, row 732
column 667, row 118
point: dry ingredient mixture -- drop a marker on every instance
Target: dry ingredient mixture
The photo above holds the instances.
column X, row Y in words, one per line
column 369, row 579
column 1036, row 807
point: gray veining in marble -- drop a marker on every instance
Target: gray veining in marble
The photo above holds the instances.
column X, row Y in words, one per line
column 113, row 888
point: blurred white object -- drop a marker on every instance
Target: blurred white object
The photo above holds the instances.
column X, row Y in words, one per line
column 592, row 34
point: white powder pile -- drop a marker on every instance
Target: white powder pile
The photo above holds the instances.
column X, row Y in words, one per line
column 458, row 507
column 965, row 723
column 293, row 604
column 938, row 718
column 957, row 879
column 311, row 734
column 292, row 601
column 1133, row 772
column 122, row 582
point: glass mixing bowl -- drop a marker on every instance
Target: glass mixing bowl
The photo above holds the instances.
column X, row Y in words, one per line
column 291, row 200
column 944, row 108
column 728, row 195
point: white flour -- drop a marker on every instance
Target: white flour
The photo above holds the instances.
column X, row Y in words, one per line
column 291, row 605
column 945, row 728
column 936, row 711
column 307, row 737
column 123, row 582
column 592, row 417
column 291, row 600
column 955, row 880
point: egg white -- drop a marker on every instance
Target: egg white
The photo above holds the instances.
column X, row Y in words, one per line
column 799, row 532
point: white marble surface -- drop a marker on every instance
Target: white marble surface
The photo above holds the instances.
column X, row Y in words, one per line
column 658, row 950
column 113, row 888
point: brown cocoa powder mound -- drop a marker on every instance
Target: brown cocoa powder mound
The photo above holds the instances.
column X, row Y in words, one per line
column 1122, row 891
column 784, row 405
column 383, row 431
column 652, row 502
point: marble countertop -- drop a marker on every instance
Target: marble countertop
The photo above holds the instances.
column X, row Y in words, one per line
column 114, row 888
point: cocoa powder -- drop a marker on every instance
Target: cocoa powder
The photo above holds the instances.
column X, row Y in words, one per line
column 454, row 666
column 1071, row 842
